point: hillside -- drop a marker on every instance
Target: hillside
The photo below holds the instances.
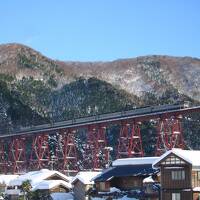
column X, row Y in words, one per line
column 155, row 74
column 137, row 76
column 35, row 89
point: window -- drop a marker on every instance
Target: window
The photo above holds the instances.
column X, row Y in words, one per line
column 176, row 196
column 173, row 160
column 178, row 175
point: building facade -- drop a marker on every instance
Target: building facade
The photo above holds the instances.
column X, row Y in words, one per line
column 180, row 174
column 127, row 175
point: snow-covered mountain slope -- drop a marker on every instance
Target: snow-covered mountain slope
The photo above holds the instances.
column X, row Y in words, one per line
column 153, row 74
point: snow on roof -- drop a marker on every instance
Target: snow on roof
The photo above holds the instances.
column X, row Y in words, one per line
column 134, row 161
column 62, row 196
column 127, row 198
column 37, row 176
column 148, row 180
column 189, row 156
column 126, row 171
column 49, row 184
column 196, row 189
column 85, row 177
column 5, row 179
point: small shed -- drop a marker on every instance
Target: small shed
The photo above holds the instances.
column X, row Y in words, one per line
column 82, row 183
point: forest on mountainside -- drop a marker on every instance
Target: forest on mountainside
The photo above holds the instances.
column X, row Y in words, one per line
column 36, row 90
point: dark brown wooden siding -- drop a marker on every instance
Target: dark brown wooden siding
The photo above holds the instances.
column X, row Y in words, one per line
column 59, row 189
column 168, row 183
column 166, row 196
column 127, row 183
column 185, row 195
column 103, row 186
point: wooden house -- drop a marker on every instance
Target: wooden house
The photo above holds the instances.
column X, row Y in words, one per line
column 180, row 174
column 82, row 184
column 126, row 174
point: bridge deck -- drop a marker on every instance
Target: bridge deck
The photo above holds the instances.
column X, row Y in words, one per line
column 138, row 114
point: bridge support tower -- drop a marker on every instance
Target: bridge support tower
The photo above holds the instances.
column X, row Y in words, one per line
column 96, row 151
column 69, row 153
column 3, row 157
column 169, row 135
column 17, row 154
column 40, row 156
column 130, row 142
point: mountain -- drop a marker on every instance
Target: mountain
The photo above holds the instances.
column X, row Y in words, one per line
column 36, row 89
column 137, row 76
column 154, row 74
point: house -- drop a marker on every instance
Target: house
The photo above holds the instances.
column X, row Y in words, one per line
column 82, row 184
column 53, row 186
column 44, row 180
column 180, row 174
column 5, row 180
column 126, row 174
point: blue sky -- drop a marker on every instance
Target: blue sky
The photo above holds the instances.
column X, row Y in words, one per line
column 88, row 30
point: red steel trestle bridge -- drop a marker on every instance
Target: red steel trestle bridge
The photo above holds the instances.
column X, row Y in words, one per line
column 30, row 148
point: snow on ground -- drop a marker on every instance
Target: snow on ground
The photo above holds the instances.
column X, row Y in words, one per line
column 127, row 198
column 62, row 196
column 123, row 198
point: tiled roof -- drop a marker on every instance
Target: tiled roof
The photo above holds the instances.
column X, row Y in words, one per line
column 126, row 170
